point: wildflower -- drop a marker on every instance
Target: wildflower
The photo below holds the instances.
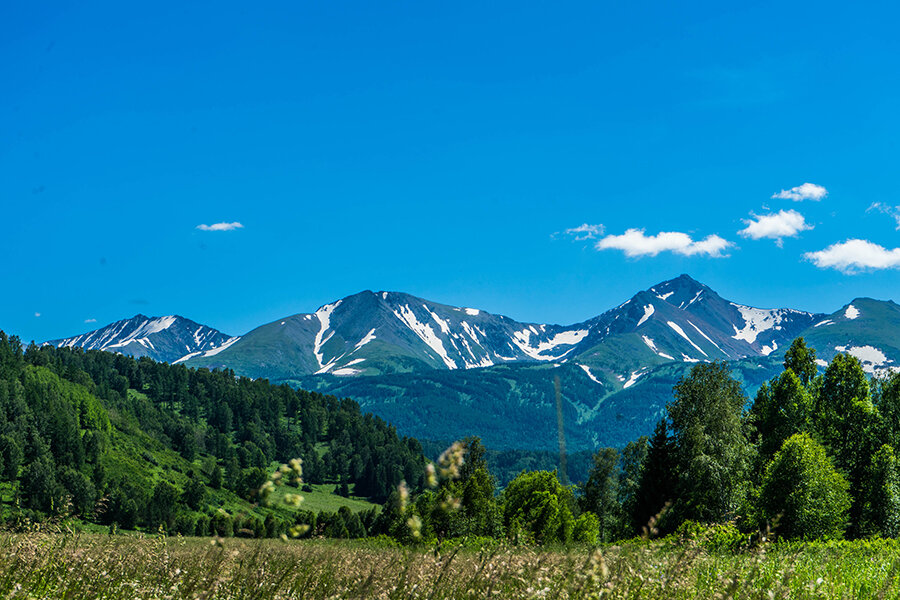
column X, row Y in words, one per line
column 451, row 460
column 403, row 494
column 265, row 490
column 415, row 526
column 298, row 530
column 293, row 500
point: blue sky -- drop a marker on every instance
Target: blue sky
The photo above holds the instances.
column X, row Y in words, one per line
column 442, row 150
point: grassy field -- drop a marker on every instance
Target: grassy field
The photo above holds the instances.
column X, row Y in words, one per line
column 96, row 566
column 323, row 498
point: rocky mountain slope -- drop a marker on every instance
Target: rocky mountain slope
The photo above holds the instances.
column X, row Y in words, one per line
column 166, row 339
column 379, row 333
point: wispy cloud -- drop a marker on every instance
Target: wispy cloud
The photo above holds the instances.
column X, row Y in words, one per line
column 855, row 255
column 220, row 226
column 891, row 211
column 635, row 243
column 807, row 191
column 784, row 223
column 90, row 320
column 583, row 232
column 37, row 314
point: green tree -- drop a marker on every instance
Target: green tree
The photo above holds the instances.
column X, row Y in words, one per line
column 886, row 396
column 600, row 493
column 804, row 492
column 657, row 484
column 801, row 359
column 194, row 494
column 882, row 494
column 163, row 506
column 586, row 529
column 849, row 425
column 12, row 454
column 781, row 408
column 631, row 462
column 711, row 450
column 537, row 506
column 39, row 487
column 844, row 383
column 81, row 491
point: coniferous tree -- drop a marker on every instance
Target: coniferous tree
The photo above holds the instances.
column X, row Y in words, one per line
column 657, row 485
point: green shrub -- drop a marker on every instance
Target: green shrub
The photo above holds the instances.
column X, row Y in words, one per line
column 587, row 529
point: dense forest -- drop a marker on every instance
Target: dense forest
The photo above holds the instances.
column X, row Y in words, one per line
column 136, row 443
column 812, row 457
column 124, row 443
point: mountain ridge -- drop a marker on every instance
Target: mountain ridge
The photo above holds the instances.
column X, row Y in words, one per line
column 442, row 372
column 170, row 338
column 374, row 333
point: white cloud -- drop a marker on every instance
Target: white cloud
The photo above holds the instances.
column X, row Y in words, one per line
column 807, row 191
column 891, row 211
column 855, row 255
column 37, row 314
column 90, row 320
column 635, row 243
column 220, row 226
column 784, row 223
column 585, row 232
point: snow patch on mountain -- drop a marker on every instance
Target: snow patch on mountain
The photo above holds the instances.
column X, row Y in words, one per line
column 522, row 339
column 767, row 350
column 635, row 375
column 708, row 339
column 324, row 316
column 366, row 339
column 756, row 320
column 587, row 370
column 425, row 333
column 870, row 356
column 648, row 311
column 346, row 372
column 694, row 299
column 681, row 332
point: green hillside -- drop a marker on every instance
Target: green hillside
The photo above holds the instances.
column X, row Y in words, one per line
column 110, row 440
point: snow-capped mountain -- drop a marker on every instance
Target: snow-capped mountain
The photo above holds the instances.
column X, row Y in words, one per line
column 444, row 372
column 867, row 329
column 682, row 320
column 167, row 339
column 387, row 332
column 373, row 333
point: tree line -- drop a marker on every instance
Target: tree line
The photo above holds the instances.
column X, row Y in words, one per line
column 814, row 455
column 84, row 433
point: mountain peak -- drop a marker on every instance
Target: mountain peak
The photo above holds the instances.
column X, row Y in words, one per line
column 169, row 338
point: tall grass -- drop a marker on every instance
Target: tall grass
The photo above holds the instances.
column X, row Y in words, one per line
column 38, row 565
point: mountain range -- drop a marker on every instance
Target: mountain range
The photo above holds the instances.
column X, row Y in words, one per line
column 439, row 371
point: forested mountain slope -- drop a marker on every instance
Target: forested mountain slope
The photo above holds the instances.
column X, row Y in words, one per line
column 138, row 442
